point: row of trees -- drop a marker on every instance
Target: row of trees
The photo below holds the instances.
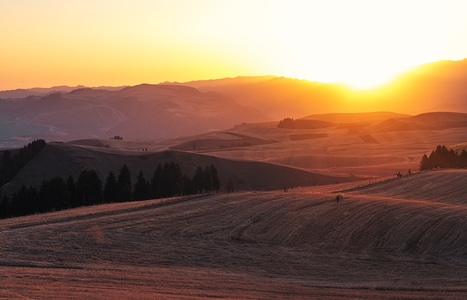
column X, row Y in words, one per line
column 290, row 123
column 442, row 157
column 58, row 194
column 12, row 162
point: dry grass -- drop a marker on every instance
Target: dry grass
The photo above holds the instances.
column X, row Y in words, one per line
column 386, row 238
column 374, row 243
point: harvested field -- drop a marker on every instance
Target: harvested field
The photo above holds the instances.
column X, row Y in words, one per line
column 374, row 243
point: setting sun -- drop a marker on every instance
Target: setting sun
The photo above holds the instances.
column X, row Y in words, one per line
column 233, row 149
column 360, row 43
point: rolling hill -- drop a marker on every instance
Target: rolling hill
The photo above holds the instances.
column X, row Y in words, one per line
column 172, row 110
column 361, row 144
column 144, row 111
column 426, row 121
column 68, row 159
column 437, row 86
column 376, row 243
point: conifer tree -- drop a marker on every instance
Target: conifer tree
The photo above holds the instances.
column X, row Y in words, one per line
column 198, row 180
column 88, row 188
column 216, row 184
column 110, row 193
column 141, row 188
column 155, row 182
column 124, row 184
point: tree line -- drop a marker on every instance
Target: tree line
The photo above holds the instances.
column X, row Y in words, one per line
column 12, row 162
column 290, row 123
column 442, row 157
column 57, row 193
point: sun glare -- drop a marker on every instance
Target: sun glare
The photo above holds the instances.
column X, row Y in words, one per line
column 361, row 43
column 367, row 81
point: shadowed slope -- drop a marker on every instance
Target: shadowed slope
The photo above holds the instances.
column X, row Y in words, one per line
column 65, row 160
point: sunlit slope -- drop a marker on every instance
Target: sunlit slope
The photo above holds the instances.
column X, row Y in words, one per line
column 362, row 144
column 438, row 86
column 444, row 186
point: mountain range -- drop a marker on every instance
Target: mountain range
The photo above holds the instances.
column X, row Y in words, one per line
column 171, row 109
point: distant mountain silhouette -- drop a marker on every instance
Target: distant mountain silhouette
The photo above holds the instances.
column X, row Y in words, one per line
column 179, row 109
column 23, row 93
column 277, row 97
column 143, row 111
column 438, row 86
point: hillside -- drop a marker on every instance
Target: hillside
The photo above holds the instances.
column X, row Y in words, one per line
column 263, row 245
column 261, row 156
column 425, row 186
column 426, row 121
column 367, row 118
column 363, row 144
column 170, row 110
column 23, row 93
column 438, row 86
column 144, row 111
column 66, row 159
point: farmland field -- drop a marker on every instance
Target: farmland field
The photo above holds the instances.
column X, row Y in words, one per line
column 374, row 243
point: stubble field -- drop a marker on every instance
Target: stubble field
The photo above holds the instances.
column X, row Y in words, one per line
column 384, row 241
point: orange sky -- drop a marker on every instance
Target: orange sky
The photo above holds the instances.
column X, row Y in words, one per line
column 122, row 42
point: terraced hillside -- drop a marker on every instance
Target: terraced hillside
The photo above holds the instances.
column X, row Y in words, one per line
column 377, row 242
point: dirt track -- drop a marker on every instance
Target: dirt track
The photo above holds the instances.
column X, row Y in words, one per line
column 300, row 244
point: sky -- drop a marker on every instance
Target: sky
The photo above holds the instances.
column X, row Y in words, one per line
column 361, row 43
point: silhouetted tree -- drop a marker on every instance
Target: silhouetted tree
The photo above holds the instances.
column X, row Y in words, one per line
column 216, row 183
column 110, row 193
column 124, row 184
column 207, row 180
column 57, row 194
column 425, row 163
column 442, row 157
column 5, row 168
column 11, row 164
column 198, row 180
column 171, row 180
column 54, row 195
column 286, row 123
column 176, row 179
column 155, row 182
column 188, row 187
column 141, row 189
column 71, row 187
column 23, row 201
column 88, row 188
